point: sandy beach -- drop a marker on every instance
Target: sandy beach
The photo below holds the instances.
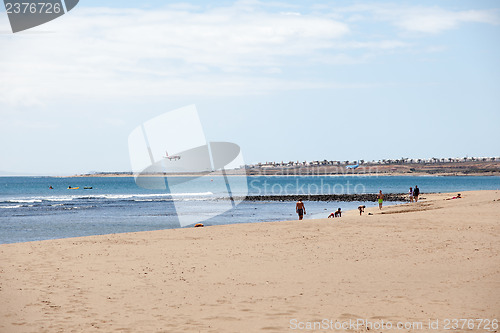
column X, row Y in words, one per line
column 432, row 260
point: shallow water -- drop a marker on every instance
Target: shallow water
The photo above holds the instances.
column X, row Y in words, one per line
column 30, row 211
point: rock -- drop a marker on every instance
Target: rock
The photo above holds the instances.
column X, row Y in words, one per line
column 326, row 197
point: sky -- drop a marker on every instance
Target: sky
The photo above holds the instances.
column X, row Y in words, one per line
column 285, row 80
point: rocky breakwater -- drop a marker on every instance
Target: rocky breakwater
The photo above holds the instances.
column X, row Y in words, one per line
column 327, row 197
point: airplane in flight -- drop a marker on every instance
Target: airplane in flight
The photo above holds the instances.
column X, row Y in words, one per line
column 353, row 166
column 172, row 158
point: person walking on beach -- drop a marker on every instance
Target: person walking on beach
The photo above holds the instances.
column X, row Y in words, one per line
column 380, row 198
column 300, row 209
column 416, row 192
column 411, row 194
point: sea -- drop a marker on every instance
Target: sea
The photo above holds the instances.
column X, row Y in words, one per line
column 42, row 208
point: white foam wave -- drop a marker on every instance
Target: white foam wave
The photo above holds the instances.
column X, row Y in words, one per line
column 24, row 200
column 135, row 197
column 58, row 198
column 140, row 196
column 9, row 207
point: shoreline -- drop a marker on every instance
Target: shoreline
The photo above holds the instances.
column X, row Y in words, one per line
column 296, row 175
column 394, row 199
column 360, row 175
column 328, row 168
column 434, row 259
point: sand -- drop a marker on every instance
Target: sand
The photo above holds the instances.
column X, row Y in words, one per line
column 437, row 259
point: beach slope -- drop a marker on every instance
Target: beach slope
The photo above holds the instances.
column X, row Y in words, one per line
column 436, row 259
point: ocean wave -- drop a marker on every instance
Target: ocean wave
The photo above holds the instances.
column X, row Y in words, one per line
column 139, row 196
column 10, row 207
column 23, row 200
column 131, row 197
column 173, row 199
column 58, row 198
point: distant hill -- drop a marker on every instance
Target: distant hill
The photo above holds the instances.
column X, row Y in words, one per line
column 437, row 168
column 395, row 168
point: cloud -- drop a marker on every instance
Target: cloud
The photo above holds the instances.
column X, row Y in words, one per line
column 375, row 45
column 175, row 50
column 420, row 19
column 245, row 48
column 436, row 20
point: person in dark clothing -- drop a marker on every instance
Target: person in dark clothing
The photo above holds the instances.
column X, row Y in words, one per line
column 416, row 192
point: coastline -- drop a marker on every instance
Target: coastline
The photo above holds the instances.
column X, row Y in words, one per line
column 393, row 174
column 463, row 168
column 435, row 259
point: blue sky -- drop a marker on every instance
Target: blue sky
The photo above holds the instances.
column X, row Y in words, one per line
column 286, row 80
